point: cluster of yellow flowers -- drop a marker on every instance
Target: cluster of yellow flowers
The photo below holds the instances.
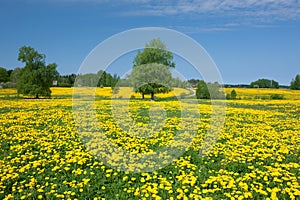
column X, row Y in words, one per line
column 106, row 92
column 252, row 93
column 42, row 156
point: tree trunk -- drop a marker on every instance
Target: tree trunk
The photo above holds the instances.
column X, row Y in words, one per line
column 143, row 95
column 152, row 95
column 37, row 95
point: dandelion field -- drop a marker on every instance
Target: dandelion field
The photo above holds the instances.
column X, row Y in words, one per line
column 256, row 156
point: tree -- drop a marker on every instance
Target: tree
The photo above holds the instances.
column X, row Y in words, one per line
column 87, row 80
column 35, row 78
column 295, row 84
column 102, row 78
column 3, row 75
column 9, row 72
column 194, row 82
column 115, row 79
column 202, row 91
column 233, row 94
column 209, row 90
column 15, row 76
column 150, row 72
column 155, row 52
column 66, row 80
column 106, row 79
column 265, row 83
column 151, row 79
column 176, row 82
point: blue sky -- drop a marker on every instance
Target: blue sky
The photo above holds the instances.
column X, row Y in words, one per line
column 247, row 39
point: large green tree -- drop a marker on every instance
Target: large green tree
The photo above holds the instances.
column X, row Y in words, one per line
column 150, row 67
column 295, row 84
column 36, row 77
column 151, row 79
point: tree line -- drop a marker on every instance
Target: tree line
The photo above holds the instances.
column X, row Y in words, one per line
column 9, row 79
column 151, row 74
column 260, row 83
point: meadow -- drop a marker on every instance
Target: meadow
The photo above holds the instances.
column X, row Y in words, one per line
column 256, row 155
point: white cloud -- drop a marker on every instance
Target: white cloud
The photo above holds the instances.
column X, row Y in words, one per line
column 202, row 29
column 275, row 9
column 284, row 9
column 229, row 13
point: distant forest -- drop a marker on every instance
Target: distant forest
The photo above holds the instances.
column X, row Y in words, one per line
column 8, row 79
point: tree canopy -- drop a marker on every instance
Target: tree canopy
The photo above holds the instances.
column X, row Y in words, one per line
column 265, row 83
column 295, row 84
column 155, row 52
column 36, row 77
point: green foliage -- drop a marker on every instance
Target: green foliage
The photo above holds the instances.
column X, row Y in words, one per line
column 15, row 76
column 87, row 80
column 276, row 96
column 209, row 91
column 265, row 83
column 66, row 80
column 3, row 75
column 101, row 79
column 35, row 78
column 295, row 84
column 176, row 82
column 202, row 91
column 154, row 52
column 124, row 82
column 151, row 79
column 232, row 95
column 107, row 80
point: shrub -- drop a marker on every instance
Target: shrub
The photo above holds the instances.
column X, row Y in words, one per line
column 232, row 95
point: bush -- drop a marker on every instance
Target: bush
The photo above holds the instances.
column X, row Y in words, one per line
column 232, row 95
